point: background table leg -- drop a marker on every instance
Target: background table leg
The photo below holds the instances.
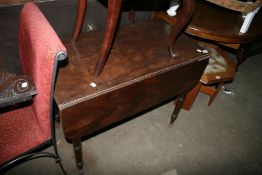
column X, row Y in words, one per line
column 179, row 104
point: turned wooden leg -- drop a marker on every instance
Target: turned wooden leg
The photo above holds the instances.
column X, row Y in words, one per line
column 78, row 153
column 81, row 11
column 179, row 104
column 190, row 97
column 112, row 19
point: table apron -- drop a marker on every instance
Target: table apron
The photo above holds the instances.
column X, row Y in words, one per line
column 99, row 112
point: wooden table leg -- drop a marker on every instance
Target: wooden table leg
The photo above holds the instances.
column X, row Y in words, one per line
column 179, row 104
column 81, row 11
column 191, row 96
column 112, row 19
column 78, row 154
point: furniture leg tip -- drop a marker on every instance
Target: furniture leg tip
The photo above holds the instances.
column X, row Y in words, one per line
column 171, row 125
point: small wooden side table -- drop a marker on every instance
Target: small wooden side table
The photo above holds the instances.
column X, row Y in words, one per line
column 221, row 68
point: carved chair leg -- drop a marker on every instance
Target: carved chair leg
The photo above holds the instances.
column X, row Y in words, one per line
column 183, row 18
column 112, row 19
column 78, row 154
column 81, row 11
column 179, row 104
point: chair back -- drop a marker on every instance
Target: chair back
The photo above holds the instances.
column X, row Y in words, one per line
column 39, row 50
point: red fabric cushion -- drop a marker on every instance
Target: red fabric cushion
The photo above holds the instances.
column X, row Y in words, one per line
column 38, row 46
column 19, row 131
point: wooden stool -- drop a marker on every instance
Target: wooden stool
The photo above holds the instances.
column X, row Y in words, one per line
column 219, row 70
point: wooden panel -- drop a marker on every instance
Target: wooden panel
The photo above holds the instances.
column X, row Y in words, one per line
column 96, row 113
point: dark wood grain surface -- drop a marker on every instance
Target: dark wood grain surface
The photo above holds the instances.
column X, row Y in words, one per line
column 222, row 25
column 139, row 74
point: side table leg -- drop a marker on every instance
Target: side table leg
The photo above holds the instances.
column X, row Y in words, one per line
column 78, row 153
column 179, row 104
column 81, row 11
column 214, row 94
column 191, row 96
column 112, row 19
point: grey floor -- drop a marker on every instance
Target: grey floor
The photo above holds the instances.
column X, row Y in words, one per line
column 225, row 138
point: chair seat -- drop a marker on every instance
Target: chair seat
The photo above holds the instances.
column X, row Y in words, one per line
column 17, row 131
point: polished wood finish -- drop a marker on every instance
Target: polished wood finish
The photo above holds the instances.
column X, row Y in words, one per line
column 178, row 106
column 224, row 29
column 139, row 74
column 112, row 19
column 114, row 7
column 212, row 92
column 237, row 5
column 221, row 26
column 191, row 96
column 77, row 145
column 79, row 19
column 183, row 18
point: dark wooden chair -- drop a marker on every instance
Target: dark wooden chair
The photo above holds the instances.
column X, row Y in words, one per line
column 27, row 128
column 112, row 18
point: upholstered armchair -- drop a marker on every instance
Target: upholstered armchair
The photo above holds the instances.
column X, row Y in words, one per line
column 27, row 127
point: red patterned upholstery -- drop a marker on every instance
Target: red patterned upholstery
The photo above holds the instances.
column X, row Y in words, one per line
column 25, row 128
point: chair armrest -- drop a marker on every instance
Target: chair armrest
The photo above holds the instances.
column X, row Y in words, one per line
column 15, row 88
